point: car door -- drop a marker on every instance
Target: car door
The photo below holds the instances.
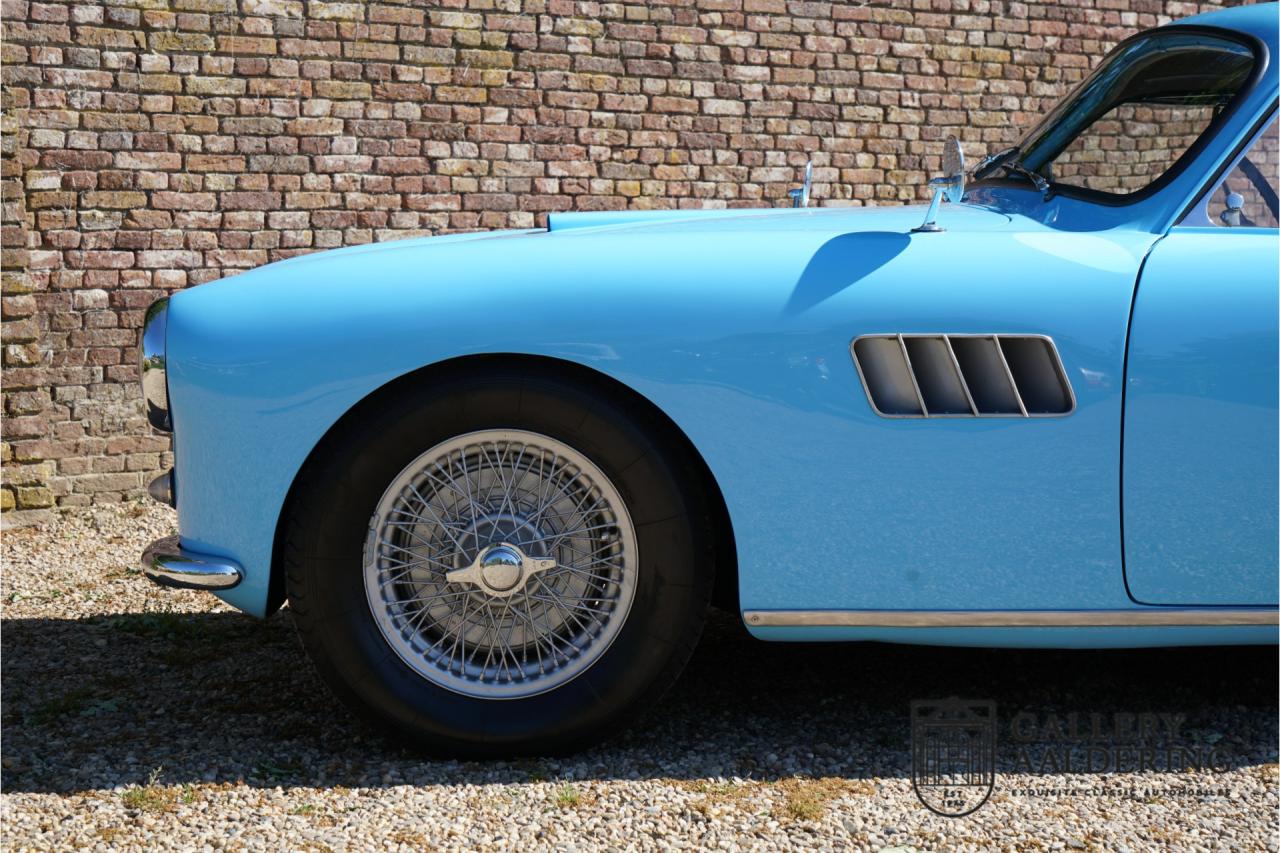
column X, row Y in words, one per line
column 1199, row 461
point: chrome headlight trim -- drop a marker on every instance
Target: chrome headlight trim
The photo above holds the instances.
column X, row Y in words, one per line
column 151, row 365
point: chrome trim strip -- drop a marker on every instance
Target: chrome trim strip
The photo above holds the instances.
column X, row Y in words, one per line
column 911, row 371
column 1008, row 373
column 152, row 373
column 955, row 365
column 1137, row 617
column 166, row 563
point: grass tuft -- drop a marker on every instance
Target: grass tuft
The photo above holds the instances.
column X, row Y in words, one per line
column 805, row 799
column 568, row 796
column 154, row 797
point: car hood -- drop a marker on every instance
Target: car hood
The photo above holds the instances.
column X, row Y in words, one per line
column 832, row 221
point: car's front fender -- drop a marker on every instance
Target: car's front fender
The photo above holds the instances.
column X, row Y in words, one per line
column 739, row 330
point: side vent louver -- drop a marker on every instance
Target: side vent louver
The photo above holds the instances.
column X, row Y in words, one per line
column 963, row 376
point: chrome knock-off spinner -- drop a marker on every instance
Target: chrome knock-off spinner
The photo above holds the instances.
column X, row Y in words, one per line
column 501, row 570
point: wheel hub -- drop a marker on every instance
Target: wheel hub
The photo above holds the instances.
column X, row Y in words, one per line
column 501, row 568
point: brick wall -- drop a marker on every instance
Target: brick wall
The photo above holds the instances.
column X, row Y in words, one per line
column 151, row 145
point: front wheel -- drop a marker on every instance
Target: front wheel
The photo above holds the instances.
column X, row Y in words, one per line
column 500, row 564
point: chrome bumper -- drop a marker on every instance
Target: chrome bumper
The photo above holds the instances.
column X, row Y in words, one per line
column 166, row 563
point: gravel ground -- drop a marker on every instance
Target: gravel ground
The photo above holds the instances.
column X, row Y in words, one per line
column 136, row 717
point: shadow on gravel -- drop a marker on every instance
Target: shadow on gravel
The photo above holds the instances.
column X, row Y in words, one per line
column 215, row 698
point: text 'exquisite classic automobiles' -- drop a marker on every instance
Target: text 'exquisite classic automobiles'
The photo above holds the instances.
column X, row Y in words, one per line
column 499, row 477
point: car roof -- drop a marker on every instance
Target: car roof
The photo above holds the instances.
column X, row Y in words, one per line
column 1261, row 21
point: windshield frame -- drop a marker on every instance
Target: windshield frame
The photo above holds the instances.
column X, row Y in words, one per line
column 1069, row 102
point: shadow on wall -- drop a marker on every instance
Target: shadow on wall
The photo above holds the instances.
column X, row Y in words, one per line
column 219, row 697
column 841, row 262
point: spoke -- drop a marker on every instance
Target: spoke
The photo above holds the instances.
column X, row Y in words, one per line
column 546, row 621
column 435, row 596
column 421, row 520
column 407, row 507
column 579, row 511
column 508, row 652
column 545, row 483
column 607, row 526
column 537, row 645
column 416, row 558
column 425, row 542
column 494, row 470
column 428, row 508
column 476, row 511
column 577, row 508
column 491, row 626
column 590, row 557
column 601, row 571
column 404, row 570
column 603, row 579
column 596, row 598
column 449, row 486
column 495, row 643
column 508, row 486
column 563, row 601
column 418, row 618
column 539, row 635
column 399, row 577
column 461, row 637
column 559, row 604
column 590, row 548
column 561, row 490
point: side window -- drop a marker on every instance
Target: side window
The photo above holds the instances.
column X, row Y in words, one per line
column 1130, row 146
column 1248, row 197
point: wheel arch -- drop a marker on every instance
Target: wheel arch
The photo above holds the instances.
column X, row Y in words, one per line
column 725, row 584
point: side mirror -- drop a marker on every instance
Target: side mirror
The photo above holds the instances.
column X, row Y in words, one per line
column 1231, row 216
column 948, row 185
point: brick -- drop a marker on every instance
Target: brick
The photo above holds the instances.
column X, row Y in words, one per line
column 452, row 166
column 274, row 8
column 189, row 42
column 159, row 160
column 247, row 44
column 100, row 37
column 337, row 11
column 33, row 497
column 153, row 145
column 251, row 200
column 184, row 201
column 216, row 85
column 170, row 259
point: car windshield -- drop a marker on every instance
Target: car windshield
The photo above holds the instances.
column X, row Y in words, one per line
column 1139, row 113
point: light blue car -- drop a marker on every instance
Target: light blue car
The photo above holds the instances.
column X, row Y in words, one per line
column 499, row 477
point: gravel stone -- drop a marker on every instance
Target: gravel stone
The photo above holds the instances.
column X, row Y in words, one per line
column 142, row 718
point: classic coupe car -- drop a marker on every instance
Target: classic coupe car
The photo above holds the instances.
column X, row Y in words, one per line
column 499, row 477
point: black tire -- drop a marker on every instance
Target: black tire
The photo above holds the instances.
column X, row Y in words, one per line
column 328, row 519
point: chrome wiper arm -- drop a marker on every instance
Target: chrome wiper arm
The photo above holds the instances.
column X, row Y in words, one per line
column 991, row 161
column 1016, row 167
column 1009, row 161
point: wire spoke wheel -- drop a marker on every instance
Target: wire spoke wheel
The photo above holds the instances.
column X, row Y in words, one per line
column 500, row 564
